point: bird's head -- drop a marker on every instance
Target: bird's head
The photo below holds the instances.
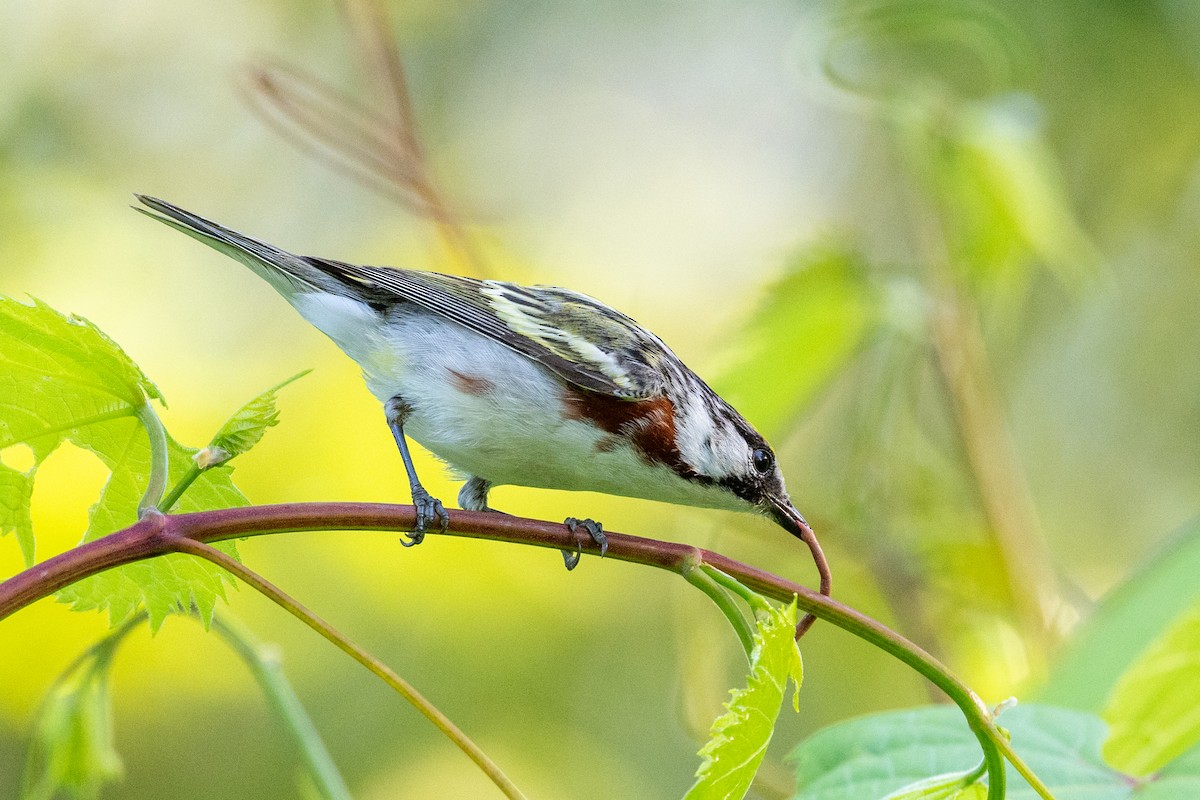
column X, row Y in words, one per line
column 725, row 452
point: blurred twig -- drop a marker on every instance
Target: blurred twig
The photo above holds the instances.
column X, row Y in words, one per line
column 377, row 144
column 1004, row 495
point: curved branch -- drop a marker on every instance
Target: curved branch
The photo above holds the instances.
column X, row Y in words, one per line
column 159, row 534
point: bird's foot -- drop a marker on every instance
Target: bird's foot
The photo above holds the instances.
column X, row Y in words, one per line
column 427, row 507
column 594, row 529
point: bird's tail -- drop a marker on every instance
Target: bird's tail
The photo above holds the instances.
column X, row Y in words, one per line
column 288, row 273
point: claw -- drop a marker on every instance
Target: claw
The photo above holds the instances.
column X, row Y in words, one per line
column 570, row 559
column 594, row 529
column 427, row 508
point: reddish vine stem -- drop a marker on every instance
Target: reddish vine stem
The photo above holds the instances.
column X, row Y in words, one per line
column 158, row 534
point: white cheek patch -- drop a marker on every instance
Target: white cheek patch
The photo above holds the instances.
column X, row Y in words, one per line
column 712, row 447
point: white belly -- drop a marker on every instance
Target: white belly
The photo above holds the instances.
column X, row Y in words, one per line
column 487, row 410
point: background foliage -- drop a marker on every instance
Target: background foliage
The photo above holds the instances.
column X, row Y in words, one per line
column 785, row 193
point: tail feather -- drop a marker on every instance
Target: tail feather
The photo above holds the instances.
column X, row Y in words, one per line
column 286, row 272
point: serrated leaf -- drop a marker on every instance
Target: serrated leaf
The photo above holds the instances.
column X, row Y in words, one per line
column 160, row 585
column 246, row 427
column 39, row 343
column 62, row 379
column 74, row 747
column 872, row 756
column 16, row 490
column 57, row 374
column 738, row 740
column 1153, row 712
column 809, row 324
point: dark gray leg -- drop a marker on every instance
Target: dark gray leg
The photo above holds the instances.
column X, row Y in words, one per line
column 473, row 497
column 427, row 506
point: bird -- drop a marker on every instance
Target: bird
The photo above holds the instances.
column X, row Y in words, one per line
column 533, row 386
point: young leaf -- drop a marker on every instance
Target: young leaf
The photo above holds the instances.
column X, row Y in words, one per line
column 38, row 342
column 62, row 379
column 739, row 737
column 872, row 756
column 73, row 746
column 57, row 374
column 246, row 427
column 1152, row 713
column 162, row 585
column 16, row 490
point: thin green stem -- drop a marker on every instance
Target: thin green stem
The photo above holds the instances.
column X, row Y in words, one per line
column 754, row 599
column 974, row 775
column 159, row 466
column 697, row 576
column 172, row 497
column 267, row 670
column 1005, row 746
column 401, row 686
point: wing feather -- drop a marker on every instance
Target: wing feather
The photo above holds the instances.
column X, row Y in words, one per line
column 578, row 338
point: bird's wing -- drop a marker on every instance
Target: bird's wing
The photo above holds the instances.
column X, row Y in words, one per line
column 580, row 339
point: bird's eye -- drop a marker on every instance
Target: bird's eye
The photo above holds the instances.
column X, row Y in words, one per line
column 763, row 460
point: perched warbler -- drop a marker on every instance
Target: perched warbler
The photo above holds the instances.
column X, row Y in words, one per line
column 526, row 385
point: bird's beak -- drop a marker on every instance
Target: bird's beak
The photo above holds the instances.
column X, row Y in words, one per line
column 794, row 523
column 789, row 518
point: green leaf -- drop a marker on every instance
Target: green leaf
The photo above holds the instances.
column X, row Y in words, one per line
column 1153, row 712
column 73, row 746
column 161, row 585
column 948, row 786
column 246, row 427
column 43, row 350
column 873, row 756
column 1124, row 625
column 16, row 491
column 738, row 740
column 809, row 324
column 57, row 375
column 1005, row 155
column 1177, row 780
column 62, row 379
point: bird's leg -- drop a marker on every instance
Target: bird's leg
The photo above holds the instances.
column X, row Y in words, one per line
column 594, row 529
column 427, row 506
column 473, row 495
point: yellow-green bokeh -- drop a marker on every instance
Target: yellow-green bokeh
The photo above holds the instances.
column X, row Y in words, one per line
column 668, row 159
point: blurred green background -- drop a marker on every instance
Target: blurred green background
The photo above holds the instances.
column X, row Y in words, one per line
column 902, row 177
